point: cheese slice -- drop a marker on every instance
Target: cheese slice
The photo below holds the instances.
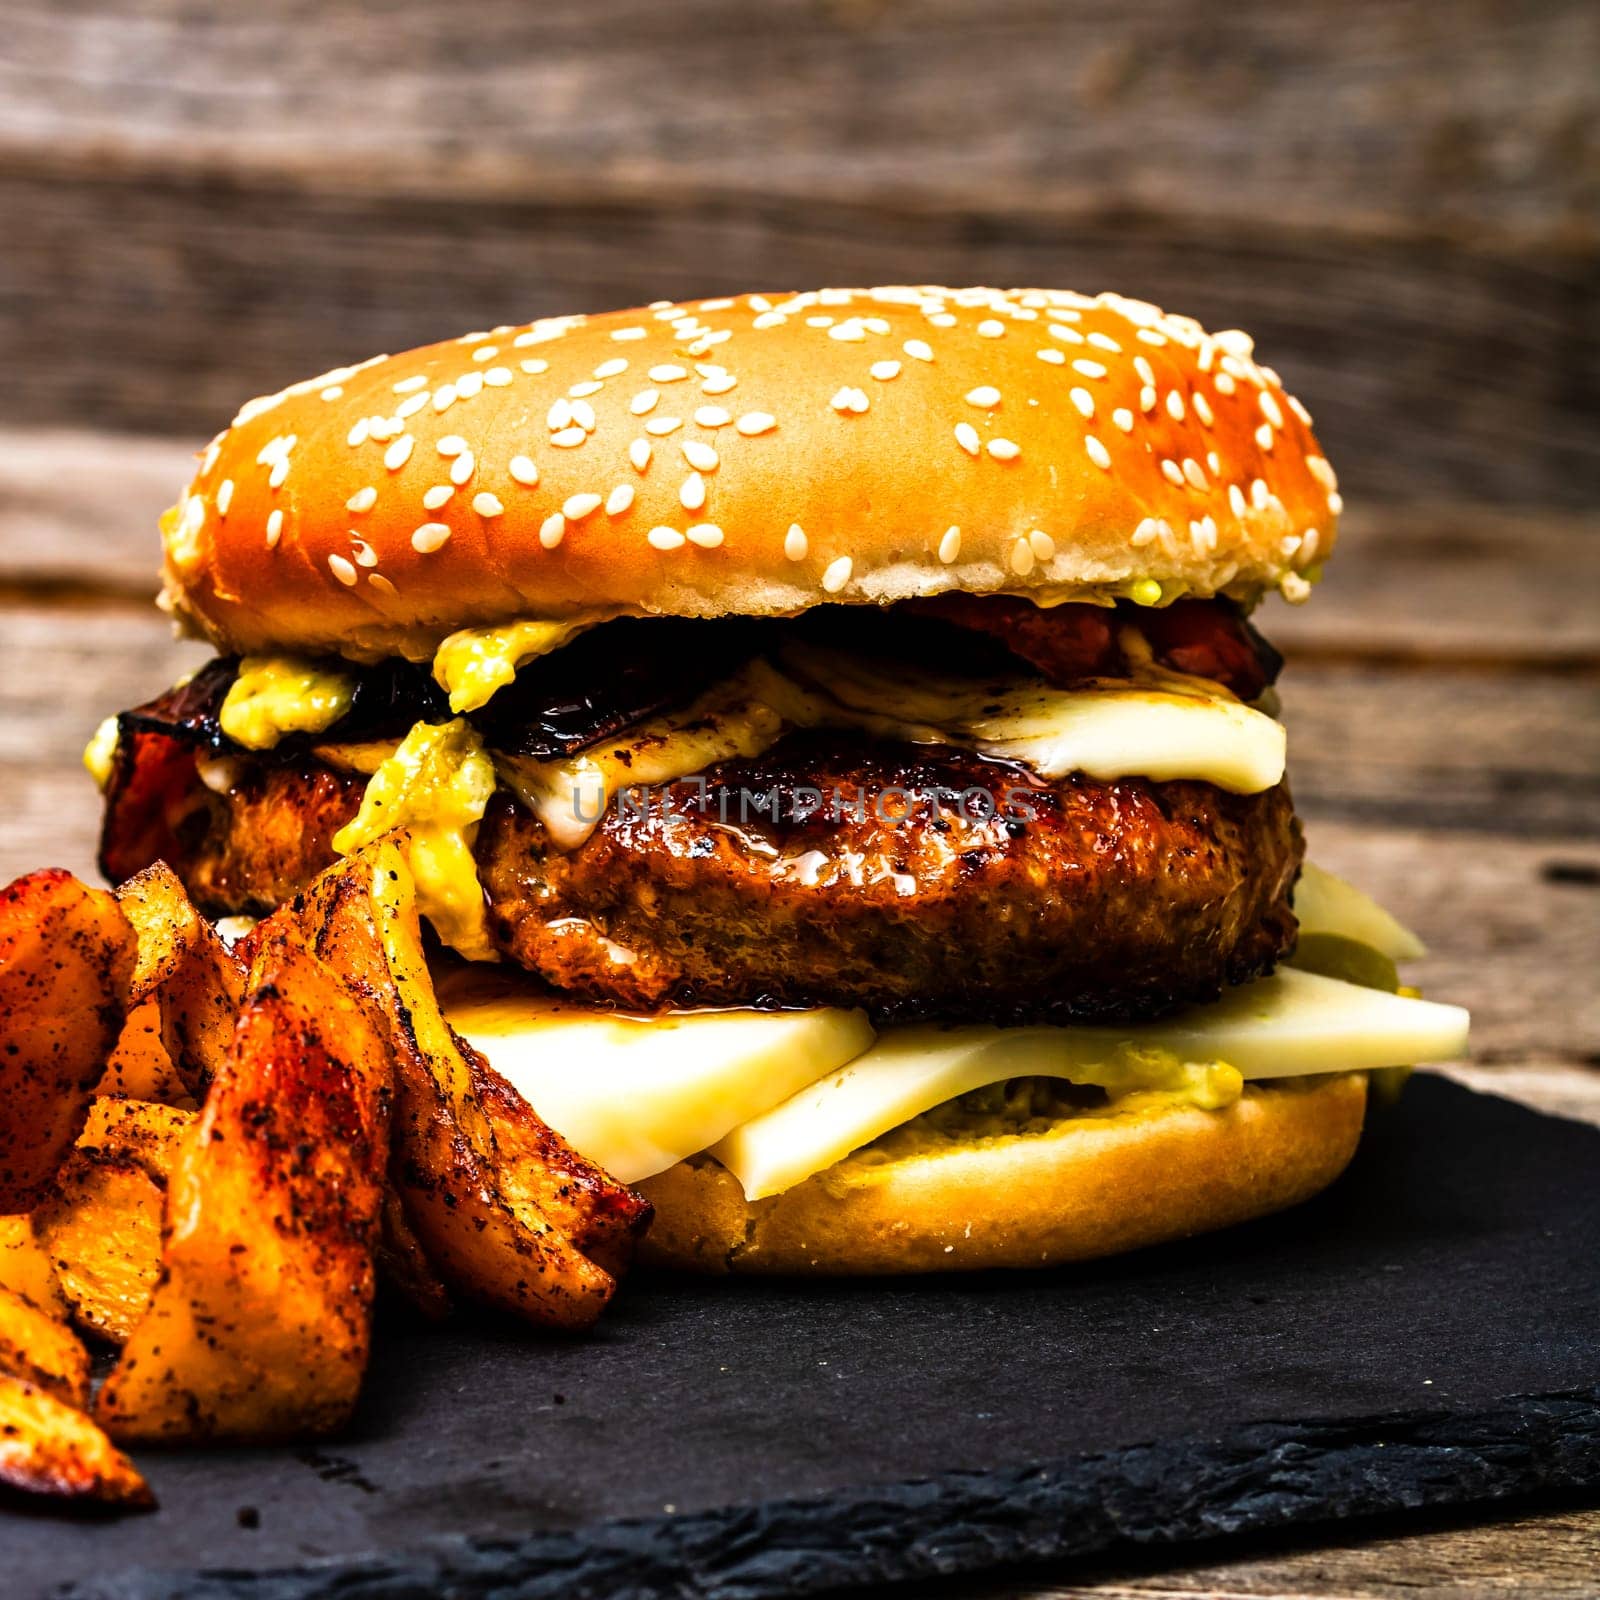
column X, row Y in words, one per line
column 1324, row 903
column 637, row 1094
column 1287, row 1025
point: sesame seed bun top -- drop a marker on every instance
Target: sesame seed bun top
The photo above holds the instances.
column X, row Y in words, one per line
column 755, row 456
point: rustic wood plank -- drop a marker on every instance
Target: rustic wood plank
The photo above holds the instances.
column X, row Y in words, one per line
column 1395, row 113
column 1555, row 1554
column 190, row 291
column 1442, row 582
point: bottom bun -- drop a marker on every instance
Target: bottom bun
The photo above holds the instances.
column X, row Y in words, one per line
column 1082, row 1186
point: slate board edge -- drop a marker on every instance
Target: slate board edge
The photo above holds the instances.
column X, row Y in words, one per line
column 1264, row 1476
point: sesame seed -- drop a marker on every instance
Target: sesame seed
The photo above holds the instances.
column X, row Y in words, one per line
column 361, row 500
column 444, row 397
column 559, row 416
column 523, row 469
column 1264, row 436
column 699, row 456
column 1298, row 409
column 343, row 569
column 1141, row 365
column 1236, row 500
column 754, row 422
column 1044, row 547
column 382, row 584
column 1097, row 452
column 614, row 368
column 712, row 417
column 850, row 331
column 705, row 534
column 498, row 377
column 399, row 452
column 552, row 530
column 463, row 467
column 665, row 538
column 950, row 545
column 918, row 349
column 568, row 438
column 429, row 537
column 1224, row 383
column 967, row 438
column 486, row 352
column 644, row 402
column 224, row 496
column 1022, row 558
column 409, row 408
column 581, row 391
column 837, row 574
column 1175, row 408
column 452, row 444
column 841, row 400
column 1146, row 533
column 583, row 415
column 274, row 528
column 437, row 496
column 1066, row 335
column 411, row 385
column 619, row 499
column 1259, row 493
column 639, row 454
column 1308, row 545
column 883, row 371
column 1214, row 461
column 333, row 391
column 357, row 434
column 1197, row 478
column 280, row 471
column 719, row 383
column 487, row 505
column 534, row 367
column 578, row 506
column 1172, row 472
column 1123, row 418
column 795, row 542
column 1004, row 449
column 1336, row 503
column 668, row 374
column 943, row 320
column 663, row 425
column 1056, row 358
column 1269, row 408
column 859, row 401
column 1150, row 336
column 1104, row 341
column 624, row 335
column 692, row 492
column 1147, row 399
column 984, row 395
column 468, row 385
column 1089, row 369
column 1084, row 401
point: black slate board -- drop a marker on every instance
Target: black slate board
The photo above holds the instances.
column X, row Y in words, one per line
column 1425, row 1334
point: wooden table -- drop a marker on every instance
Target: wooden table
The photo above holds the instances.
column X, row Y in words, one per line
column 1443, row 700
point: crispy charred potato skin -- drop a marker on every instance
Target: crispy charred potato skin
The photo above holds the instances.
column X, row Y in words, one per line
column 139, row 1067
column 490, row 1248
column 48, row 1448
column 42, row 1350
column 26, row 1267
column 66, row 958
column 195, row 980
column 260, row 1324
column 405, row 1267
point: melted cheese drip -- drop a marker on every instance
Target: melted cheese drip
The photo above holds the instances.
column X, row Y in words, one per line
column 431, row 794
column 474, row 664
column 278, row 695
column 101, row 751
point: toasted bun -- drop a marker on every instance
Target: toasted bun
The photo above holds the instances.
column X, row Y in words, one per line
column 753, row 456
column 1090, row 1186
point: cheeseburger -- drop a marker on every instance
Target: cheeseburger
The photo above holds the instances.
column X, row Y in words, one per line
column 833, row 747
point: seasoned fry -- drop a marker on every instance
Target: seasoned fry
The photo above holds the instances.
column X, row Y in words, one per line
column 259, row 1328
column 66, row 958
column 139, row 1066
column 141, row 1131
column 48, row 1448
column 46, row 1352
column 26, row 1267
column 492, row 1249
column 185, row 967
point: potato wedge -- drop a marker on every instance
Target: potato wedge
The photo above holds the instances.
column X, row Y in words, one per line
column 142, row 1131
column 139, row 1067
column 49, row 1448
column 102, row 1226
column 66, row 958
column 405, row 1267
column 26, row 1267
column 184, row 966
column 260, row 1325
column 44, row 1351
column 489, row 1248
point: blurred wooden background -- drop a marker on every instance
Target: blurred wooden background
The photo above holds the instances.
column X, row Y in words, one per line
column 1399, row 198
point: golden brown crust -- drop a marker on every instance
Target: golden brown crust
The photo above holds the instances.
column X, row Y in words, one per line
column 1093, row 1186
column 1080, row 446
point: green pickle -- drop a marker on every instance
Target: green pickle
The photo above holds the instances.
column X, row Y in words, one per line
column 1334, row 956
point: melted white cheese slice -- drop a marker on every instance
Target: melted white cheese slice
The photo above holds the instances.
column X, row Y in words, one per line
column 1324, row 903
column 1288, row 1025
column 636, row 1094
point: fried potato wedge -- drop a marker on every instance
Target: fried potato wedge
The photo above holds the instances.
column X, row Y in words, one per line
column 490, row 1248
column 139, row 1067
column 405, row 1266
column 49, row 1448
column 26, row 1267
column 42, row 1349
column 260, row 1325
column 195, row 979
column 142, row 1131
column 66, row 958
